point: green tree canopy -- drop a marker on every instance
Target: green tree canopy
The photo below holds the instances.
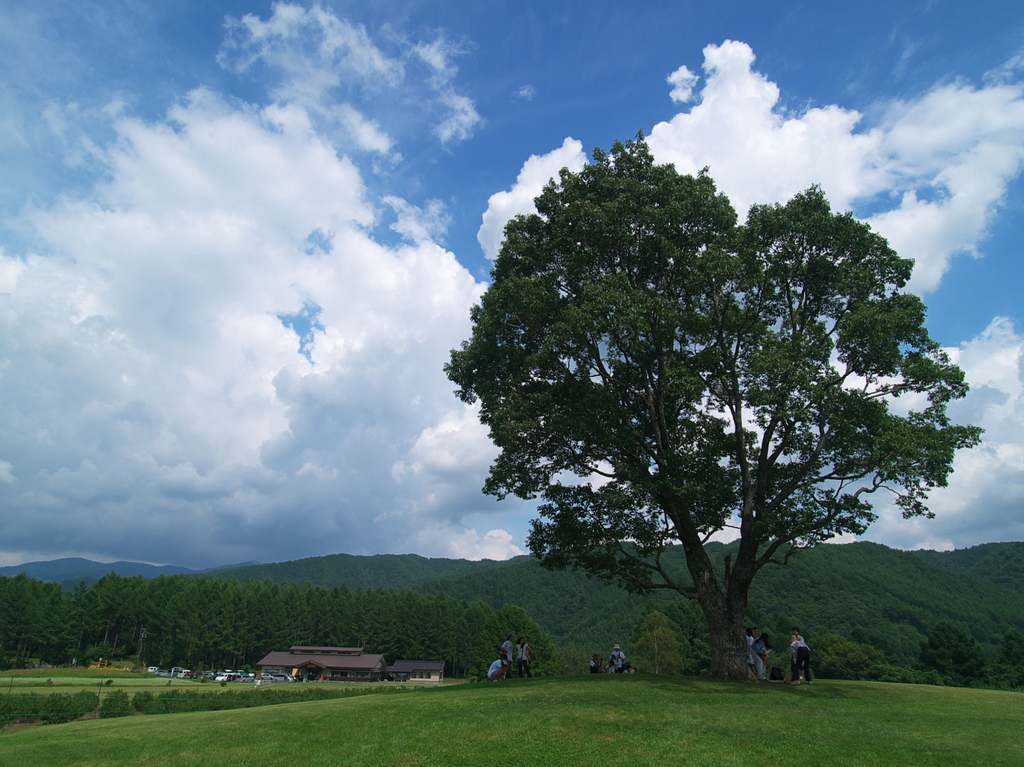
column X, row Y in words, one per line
column 953, row 652
column 657, row 648
column 657, row 374
column 514, row 620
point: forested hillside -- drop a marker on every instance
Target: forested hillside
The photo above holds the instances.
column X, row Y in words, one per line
column 868, row 592
column 884, row 597
column 865, row 592
column 380, row 571
column 568, row 605
column 999, row 563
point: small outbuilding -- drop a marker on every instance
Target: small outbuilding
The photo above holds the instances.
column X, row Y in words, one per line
column 425, row 671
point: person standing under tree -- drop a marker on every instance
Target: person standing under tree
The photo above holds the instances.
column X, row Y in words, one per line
column 523, row 658
column 509, row 649
column 759, row 652
column 801, row 658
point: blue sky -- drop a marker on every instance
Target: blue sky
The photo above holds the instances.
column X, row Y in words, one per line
column 238, row 239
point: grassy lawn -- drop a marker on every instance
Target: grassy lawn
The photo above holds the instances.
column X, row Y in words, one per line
column 588, row 721
column 93, row 680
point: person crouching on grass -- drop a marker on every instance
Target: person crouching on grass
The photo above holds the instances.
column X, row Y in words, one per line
column 498, row 669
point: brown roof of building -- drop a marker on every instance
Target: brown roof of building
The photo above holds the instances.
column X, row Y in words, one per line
column 303, row 649
column 350, row 662
column 408, row 666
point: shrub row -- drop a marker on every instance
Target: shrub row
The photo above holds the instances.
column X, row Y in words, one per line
column 48, row 709
column 60, row 707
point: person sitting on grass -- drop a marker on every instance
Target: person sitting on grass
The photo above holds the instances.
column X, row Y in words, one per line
column 619, row 664
column 498, row 669
column 596, row 666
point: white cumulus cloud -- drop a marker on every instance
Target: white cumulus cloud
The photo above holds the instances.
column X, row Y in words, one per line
column 985, row 496
column 156, row 403
column 536, row 172
column 928, row 174
column 683, row 82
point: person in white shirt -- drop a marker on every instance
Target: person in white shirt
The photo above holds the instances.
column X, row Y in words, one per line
column 509, row 649
column 801, row 658
column 619, row 659
column 497, row 669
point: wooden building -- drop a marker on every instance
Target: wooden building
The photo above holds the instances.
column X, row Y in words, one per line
column 417, row 671
column 331, row 664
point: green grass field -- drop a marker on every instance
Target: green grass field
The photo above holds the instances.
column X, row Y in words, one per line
column 592, row 721
column 70, row 681
column 94, row 680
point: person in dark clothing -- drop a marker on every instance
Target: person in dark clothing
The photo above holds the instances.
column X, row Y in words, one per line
column 801, row 658
column 523, row 651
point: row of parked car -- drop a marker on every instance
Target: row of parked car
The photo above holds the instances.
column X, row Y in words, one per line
column 219, row 676
column 177, row 672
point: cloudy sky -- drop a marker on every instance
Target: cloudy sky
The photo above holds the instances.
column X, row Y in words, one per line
column 238, row 240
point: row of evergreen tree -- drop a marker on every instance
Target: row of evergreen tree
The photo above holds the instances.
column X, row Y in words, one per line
column 206, row 623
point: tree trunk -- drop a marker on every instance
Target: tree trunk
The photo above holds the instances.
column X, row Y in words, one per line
column 724, row 610
column 728, row 643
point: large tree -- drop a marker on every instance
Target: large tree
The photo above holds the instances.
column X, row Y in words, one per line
column 657, row 373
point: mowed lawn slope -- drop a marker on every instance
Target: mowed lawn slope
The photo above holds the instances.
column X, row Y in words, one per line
column 593, row 721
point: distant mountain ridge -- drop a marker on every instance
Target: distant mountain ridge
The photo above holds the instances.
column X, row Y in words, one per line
column 377, row 571
column 1000, row 563
column 73, row 570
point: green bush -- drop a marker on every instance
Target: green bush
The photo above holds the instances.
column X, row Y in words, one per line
column 48, row 709
column 911, row 676
column 114, row 704
column 68, row 708
column 57, row 708
column 835, row 657
column 144, row 702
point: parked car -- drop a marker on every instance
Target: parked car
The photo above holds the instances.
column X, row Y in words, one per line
column 276, row 678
